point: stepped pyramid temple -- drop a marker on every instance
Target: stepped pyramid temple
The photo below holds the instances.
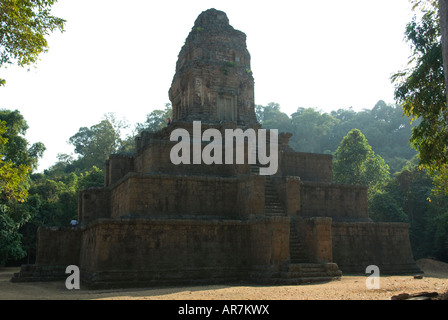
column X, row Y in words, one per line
column 169, row 216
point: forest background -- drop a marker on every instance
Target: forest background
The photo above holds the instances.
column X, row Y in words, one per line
column 400, row 190
column 400, row 151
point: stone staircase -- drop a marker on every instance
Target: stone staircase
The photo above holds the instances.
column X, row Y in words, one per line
column 272, row 205
column 298, row 270
column 298, row 274
column 33, row 272
column 304, row 273
column 297, row 250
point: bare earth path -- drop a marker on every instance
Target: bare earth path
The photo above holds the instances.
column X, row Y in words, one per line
column 435, row 279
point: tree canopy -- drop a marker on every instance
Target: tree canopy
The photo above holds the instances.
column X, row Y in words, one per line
column 384, row 126
column 355, row 162
column 17, row 161
column 155, row 121
column 95, row 144
column 420, row 90
column 24, row 25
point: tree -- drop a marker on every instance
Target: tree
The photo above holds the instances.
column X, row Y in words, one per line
column 355, row 163
column 420, row 90
column 271, row 117
column 409, row 192
column 18, row 158
column 13, row 178
column 24, row 24
column 95, row 144
column 16, row 163
column 312, row 130
column 384, row 208
column 92, row 178
column 156, row 120
column 385, row 126
column 18, row 149
column 53, row 201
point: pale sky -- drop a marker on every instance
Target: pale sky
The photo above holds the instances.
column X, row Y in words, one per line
column 120, row 56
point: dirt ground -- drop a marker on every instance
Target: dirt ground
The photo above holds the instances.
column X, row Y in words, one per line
column 435, row 279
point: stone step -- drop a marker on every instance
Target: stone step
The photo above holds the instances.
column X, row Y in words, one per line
column 255, row 168
column 275, row 206
column 297, row 250
column 305, row 267
column 291, row 275
column 272, row 205
column 274, row 209
column 275, row 214
column 300, row 260
column 300, row 280
column 299, row 273
column 305, row 273
column 33, row 273
column 294, row 270
column 272, row 196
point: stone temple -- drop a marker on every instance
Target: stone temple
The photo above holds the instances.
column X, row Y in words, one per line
column 158, row 223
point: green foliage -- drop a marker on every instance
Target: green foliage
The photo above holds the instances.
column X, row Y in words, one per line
column 355, row 163
column 385, row 127
column 272, row 118
column 384, row 208
column 18, row 149
column 156, row 120
column 13, row 177
column 95, row 144
column 53, row 200
column 312, row 130
column 407, row 198
column 88, row 179
column 437, row 231
column 440, row 179
column 13, row 181
column 24, row 24
column 10, row 238
column 420, row 90
column 230, row 64
column 16, row 163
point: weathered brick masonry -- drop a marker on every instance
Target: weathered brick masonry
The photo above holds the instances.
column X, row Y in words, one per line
column 157, row 223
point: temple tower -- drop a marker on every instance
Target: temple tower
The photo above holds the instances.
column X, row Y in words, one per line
column 213, row 82
column 156, row 222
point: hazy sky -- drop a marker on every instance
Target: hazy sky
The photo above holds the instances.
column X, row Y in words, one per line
column 120, row 56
